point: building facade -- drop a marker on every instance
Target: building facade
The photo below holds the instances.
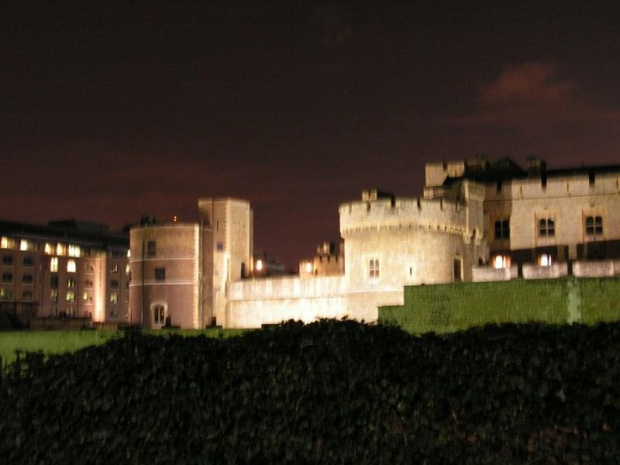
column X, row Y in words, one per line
column 541, row 222
column 67, row 269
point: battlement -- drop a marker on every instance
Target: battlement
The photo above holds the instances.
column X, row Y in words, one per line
column 403, row 213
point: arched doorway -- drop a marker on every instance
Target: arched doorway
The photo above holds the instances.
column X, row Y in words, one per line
column 159, row 313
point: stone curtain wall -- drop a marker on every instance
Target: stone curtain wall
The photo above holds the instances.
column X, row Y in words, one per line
column 444, row 308
column 252, row 303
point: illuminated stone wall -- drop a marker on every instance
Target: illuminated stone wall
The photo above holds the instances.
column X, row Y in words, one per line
column 393, row 242
column 252, row 303
column 226, row 250
column 567, row 199
column 436, row 173
column 389, row 242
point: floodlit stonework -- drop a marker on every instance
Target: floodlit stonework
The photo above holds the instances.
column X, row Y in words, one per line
column 477, row 221
column 388, row 242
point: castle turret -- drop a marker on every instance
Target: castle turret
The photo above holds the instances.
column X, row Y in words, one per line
column 226, row 245
column 164, row 275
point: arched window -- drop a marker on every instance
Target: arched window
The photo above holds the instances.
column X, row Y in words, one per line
column 159, row 314
column 544, row 259
column 71, row 266
column 501, row 261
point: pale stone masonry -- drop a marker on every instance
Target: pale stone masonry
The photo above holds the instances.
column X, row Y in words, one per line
column 388, row 242
column 477, row 221
column 543, row 218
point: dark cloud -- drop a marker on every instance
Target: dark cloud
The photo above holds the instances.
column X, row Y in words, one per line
column 533, row 87
column 536, row 93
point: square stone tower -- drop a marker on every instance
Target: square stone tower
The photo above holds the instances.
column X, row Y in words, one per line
column 226, row 252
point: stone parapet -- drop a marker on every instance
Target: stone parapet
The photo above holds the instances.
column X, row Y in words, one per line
column 486, row 273
column 597, row 268
column 403, row 213
column 287, row 288
column 556, row 270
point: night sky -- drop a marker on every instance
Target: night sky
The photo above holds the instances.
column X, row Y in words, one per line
column 116, row 109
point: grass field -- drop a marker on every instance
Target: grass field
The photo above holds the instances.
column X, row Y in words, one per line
column 58, row 342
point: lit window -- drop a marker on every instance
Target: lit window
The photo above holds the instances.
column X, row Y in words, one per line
column 501, row 261
column 7, row 277
column 308, row 267
column 128, row 253
column 127, row 269
column 544, row 259
column 27, row 295
column 54, row 295
column 594, row 225
column 61, row 249
column 71, row 266
column 159, row 314
column 71, row 283
column 6, row 294
column 7, row 260
column 49, row 249
column 54, row 264
column 74, row 251
column 7, row 243
column 373, row 268
column 114, row 268
column 502, row 229
column 27, row 278
column 70, row 296
column 28, row 262
column 546, row 227
column 113, row 297
column 25, row 245
column 151, row 249
column 87, row 297
column 160, row 274
column 259, row 265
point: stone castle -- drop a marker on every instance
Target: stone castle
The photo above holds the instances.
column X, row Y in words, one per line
column 476, row 221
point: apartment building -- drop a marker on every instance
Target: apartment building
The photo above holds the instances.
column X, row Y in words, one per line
column 66, row 269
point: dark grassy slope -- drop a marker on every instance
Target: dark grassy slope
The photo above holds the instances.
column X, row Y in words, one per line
column 330, row 392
